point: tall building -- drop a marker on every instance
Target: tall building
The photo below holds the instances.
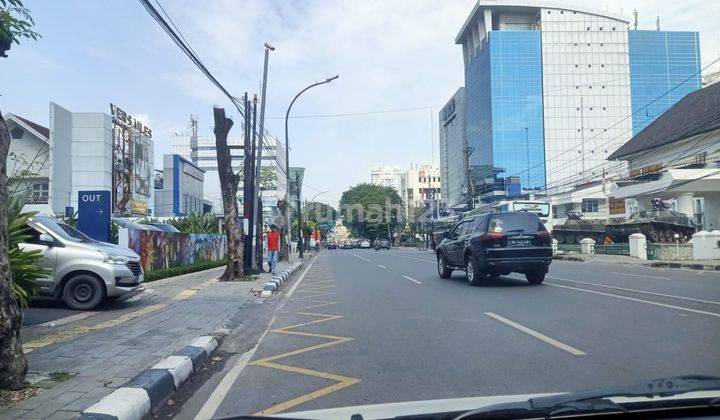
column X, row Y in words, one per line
column 453, row 149
column 387, row 176
column 201, row 151
column 420, row 187
column 552, row 91
column 181, row 190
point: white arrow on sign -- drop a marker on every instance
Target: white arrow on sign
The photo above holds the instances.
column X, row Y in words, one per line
column 99, row 212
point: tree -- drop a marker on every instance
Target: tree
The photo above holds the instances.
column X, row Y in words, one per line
column 318, row 215
column 371, row 211
column 228, row 185
column 15, row 23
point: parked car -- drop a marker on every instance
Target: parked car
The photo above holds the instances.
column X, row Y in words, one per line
column 165, row 227
column 332, row 245
column 129, row 224
column 382, row 244
column 496, row 244
column 82, row 271
column 347, row 245
column 364, row 243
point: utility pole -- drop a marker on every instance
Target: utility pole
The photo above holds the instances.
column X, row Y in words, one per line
column 258, row 208
column 468, row 174
column 582, row 136
column 248, row 162
column 527, row 157
column 299, row 212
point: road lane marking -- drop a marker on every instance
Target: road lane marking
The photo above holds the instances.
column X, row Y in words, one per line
column 208, row 409
column 413, row 280
column 418, row 259
column 300, row 279
column 539, row 336
column 381, row 266
column 270, row 362
column 710, row 302
column 641, row 275
column 362, row 258
column 649, row 302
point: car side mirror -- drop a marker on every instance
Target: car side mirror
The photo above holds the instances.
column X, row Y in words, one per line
column 44, row 237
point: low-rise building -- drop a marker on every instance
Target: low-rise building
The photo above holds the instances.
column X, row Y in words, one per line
column 28, row 166
column 387, row 176
column 677, row 159
column 181, row 192
column 420, row 188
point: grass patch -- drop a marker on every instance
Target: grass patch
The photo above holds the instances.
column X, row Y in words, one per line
column 181, row 269
column 61, row 376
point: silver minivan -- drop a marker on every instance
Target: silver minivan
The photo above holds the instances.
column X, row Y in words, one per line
column 82, row 271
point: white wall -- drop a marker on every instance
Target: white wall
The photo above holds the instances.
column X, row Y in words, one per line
column 60, row 156
column 91, row 153
column 601, row 79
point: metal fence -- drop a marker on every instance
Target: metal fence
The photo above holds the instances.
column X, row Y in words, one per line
column 613, row 249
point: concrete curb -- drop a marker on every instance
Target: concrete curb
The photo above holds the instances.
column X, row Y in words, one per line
column 654, row 264
column 278, row 279
column 149, row 390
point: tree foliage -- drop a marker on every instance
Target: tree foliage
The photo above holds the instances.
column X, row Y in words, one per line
column 25, row 265
column 368, row 209
column 318, row 214
column 15, row 23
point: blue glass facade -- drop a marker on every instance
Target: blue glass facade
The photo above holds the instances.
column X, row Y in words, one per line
column 504, row 108
column 660, row 61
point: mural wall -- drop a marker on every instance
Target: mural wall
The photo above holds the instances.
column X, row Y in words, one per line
column 165, row 249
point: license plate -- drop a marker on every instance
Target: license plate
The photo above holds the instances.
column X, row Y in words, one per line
column 518, row 242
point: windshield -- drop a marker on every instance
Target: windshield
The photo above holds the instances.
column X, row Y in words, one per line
column 64, row 231
column 314, row 204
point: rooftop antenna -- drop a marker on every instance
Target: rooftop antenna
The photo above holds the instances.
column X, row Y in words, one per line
column 635, row 20
column 657, row 23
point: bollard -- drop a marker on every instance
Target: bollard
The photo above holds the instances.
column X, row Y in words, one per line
column 587, row 246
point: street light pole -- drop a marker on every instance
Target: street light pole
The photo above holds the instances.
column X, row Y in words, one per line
column 527, row 157
column 287, row 155
column 257, row 207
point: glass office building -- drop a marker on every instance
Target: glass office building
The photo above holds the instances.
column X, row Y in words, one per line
column 549, row 91
column 664, row 67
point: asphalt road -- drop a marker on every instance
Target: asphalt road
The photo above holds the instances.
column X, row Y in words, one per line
column 367, row 327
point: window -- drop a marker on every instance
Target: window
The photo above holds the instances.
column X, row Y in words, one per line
column 40, row 193
column 590, row 206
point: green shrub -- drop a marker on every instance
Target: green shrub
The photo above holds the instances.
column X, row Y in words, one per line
column 182, row 269
column 25, row 265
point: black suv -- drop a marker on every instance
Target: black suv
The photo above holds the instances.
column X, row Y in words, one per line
column 496, row 244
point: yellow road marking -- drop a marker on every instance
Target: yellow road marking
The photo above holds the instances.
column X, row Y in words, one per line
column 270, row 362
column 75, row 332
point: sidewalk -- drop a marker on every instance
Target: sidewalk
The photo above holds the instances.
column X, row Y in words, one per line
column 102, row 350
column 624, row 259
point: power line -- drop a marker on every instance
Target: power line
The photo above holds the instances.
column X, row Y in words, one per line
column 349, row 114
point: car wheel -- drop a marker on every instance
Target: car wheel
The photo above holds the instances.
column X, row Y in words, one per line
column 474, row 277
column 443, row 270
column 83, row 292
column 535, row 277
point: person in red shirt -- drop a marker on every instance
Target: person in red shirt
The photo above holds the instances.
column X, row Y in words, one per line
column 273, row 247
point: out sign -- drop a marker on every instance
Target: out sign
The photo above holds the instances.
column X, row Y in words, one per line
column 94, row 214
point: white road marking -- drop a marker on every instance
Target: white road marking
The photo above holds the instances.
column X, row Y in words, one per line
column 710, row 302
column 139, row 296
column 649, row 302
column 381, row 266
column 419, row 259
column 208, row 409
column 362, row 258
column 413, row 280
column 300, row 279
column 641, row 275
column 539, row 336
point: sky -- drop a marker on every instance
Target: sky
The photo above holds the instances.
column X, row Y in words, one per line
column 389, row 54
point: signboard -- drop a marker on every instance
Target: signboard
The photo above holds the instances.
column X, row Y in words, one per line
column 121, row 117
column 448, row 110
column 616, row 206
column 94, row 214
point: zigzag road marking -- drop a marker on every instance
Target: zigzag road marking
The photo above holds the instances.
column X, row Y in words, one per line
column 270, row 362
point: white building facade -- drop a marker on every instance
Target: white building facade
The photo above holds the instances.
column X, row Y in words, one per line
column 387, row 176
column 420, row 187
column 453, row 152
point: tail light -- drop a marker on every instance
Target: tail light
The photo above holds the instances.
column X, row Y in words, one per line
column 492, row 236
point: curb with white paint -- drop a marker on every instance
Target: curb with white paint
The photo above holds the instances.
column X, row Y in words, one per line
column 149, row 390
column 278, row 279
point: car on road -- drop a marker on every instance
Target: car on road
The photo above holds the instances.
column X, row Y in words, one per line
column 496, row 244
column 331, row 245
column 347, row 245
column 382, row 244
column 82, row 272
column 364, row 243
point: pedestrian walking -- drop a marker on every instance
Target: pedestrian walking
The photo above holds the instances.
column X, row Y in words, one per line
column 273, row 247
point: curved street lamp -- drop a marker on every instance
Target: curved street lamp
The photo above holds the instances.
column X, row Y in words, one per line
column 287, row 163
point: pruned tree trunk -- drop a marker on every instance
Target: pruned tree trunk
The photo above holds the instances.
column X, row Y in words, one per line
column 228, row 185
column 13, row 365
